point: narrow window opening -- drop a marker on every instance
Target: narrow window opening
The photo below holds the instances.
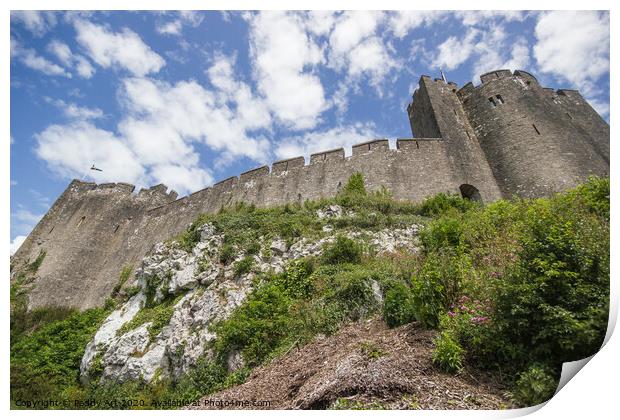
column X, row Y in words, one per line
column 454, row 110
column 116, row 228
column 499, row 99
column 81, row 220
column 51, row 230
column 528, row 82
column 492, row 101
column 569, row 115
column 298, row 197
column 468, row 136
column 536, row 129
column 496, row 75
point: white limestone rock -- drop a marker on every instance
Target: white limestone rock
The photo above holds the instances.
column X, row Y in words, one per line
column 107, row 332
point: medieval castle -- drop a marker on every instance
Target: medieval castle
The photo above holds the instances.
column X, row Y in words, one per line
column 507, row 137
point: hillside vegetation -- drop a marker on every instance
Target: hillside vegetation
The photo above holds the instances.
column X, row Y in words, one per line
column 515, row 287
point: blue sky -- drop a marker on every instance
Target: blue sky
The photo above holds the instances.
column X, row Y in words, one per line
column 190, row 98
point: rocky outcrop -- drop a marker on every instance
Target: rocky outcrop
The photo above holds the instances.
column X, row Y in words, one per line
column 205, row 291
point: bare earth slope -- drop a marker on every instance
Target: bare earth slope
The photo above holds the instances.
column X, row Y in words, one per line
column 365, row 365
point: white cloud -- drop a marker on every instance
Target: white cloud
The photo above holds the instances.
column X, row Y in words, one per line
column 491, row 52
column 573, row 45
column 601, row 106
column 83, row 67
column 355, row 46
column 184, row 17
column 22, row 223
column 68, row 59
column 74, row 111
column 318, row 141
column 320, row 22
column 29, row 58
column 16, row 243
column 70, row 150
column 454, row 51
column 61, row 51
column 283, row 57
column 477, row 17
column 402, row 22
column 37, row 22
column 124, row 49
column 183, row 178
column 163, row 124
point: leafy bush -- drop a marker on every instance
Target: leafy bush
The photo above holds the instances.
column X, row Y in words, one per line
column 344, row 250
column 553, row 303
column 448, row 353
column 437, row 285
column 442, row 203
column 296, row 279
column 537, row 276
column 243, row 266
column 445, row 232
column 355, row 185
column 258, row 326
column 398, row 308
column 352, row 292
column 227, row 253
column 48, row 359
column 534, row 386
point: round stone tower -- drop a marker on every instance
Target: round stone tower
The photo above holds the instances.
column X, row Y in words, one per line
column 536, row 140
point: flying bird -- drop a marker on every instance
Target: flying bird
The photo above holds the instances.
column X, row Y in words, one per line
column 94, row 168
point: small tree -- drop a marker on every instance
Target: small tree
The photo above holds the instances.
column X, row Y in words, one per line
column 355, row 185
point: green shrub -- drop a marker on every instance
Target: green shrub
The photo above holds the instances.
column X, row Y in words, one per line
column 344, row 250
column 227, row 253
column 296, row 278
column 253, row 248
column 123, row 277
column 534, row 386
column 437, row 285
column 258, row 326
column 442, row 203
column 355, row 185
column 352, row 292
column 243, row 266
column 398, row 308
column 448, row 353
column 48, row 359
column 554, row 302
column 445, row 232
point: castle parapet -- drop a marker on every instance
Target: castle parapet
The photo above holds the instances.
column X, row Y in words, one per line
column 253, row 174
column 379, row 144
column 327, row 156
column 496, row 74
column 288, row 164
column 157, row 193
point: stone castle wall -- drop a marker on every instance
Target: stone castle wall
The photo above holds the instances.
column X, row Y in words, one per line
column 509, row 136
column 93, row 231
